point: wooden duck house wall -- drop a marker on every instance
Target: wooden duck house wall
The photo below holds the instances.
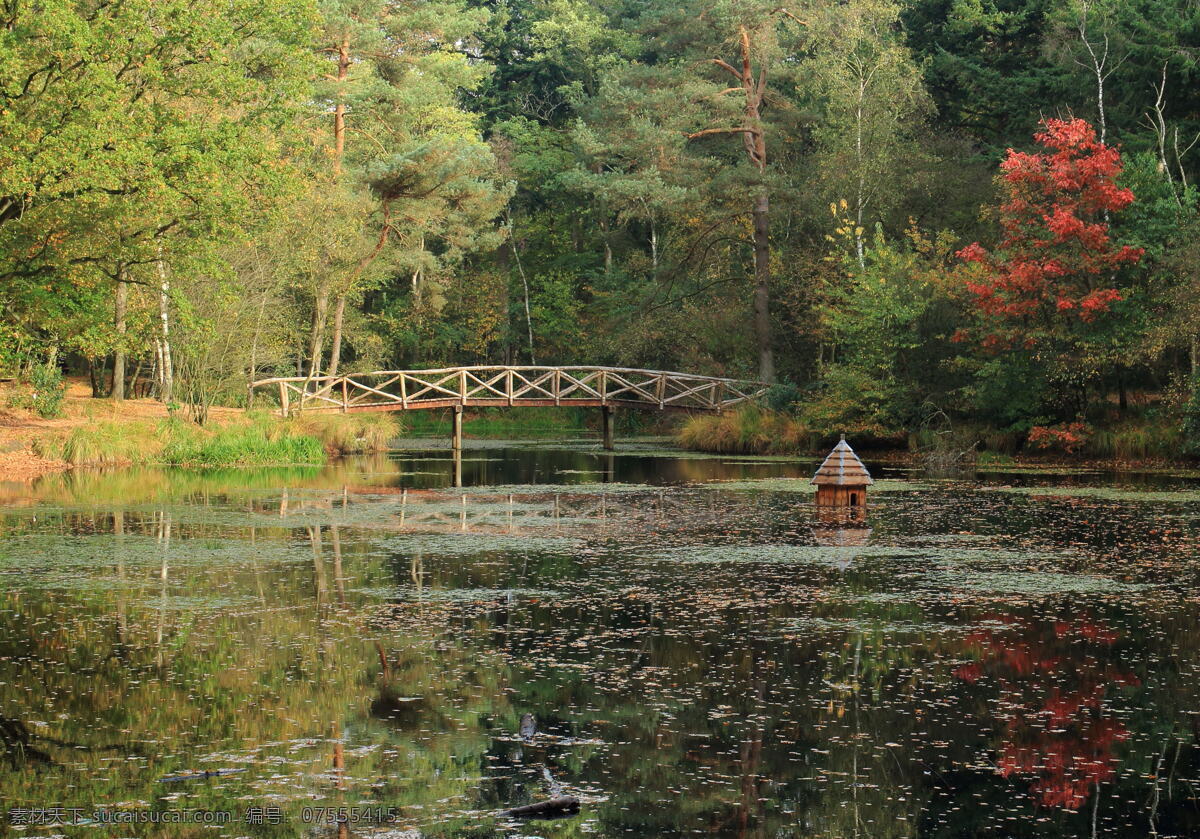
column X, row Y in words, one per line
column 842, row 496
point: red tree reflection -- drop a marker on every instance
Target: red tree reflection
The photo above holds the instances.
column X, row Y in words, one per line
column 1052, row 683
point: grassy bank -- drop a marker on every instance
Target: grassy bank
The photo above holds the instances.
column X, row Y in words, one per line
column 250, row 440
column 753, row 430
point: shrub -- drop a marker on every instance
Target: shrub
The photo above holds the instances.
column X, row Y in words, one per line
column 48, row 390
column 782, row 397
column 42, row 392
column 1067, row 438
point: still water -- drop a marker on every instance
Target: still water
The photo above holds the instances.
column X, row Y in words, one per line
column 681, row 642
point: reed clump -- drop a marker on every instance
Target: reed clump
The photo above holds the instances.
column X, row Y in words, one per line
column 103, row 444
column 1136, row 441
column 342, row 434
column 257, row 442
column 748, row 430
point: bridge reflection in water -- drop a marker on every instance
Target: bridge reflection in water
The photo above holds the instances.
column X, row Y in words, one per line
column 523, row 512
column 606, row 388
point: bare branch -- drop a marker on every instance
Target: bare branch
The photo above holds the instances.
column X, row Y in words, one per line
column 727, row 66
column 739, row 130
column 782, row 10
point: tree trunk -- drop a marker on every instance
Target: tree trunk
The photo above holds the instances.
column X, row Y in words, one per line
column 335, row 349
column 524, row 285
column 339, row 111
column 133, row 380
column 316, row 340
column 755, row 141
column 119, row 310
column 762, row 285
column 167, row 369
column 262, row 307
column 653, row 249
column 93, row 379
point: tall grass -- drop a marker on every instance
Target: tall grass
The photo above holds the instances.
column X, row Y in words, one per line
column 342, row 434
column 1136, row 442
column 748, row 430
column 174, row 442
column 255, row 440
column 102, row 444
column 256, row 443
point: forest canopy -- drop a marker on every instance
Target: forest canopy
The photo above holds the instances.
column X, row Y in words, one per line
column 982, row 211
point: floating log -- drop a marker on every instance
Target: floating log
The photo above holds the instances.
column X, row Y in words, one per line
column 558, row 806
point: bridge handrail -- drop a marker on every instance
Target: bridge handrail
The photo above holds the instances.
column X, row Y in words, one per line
column 513, row 385
column 539, row 367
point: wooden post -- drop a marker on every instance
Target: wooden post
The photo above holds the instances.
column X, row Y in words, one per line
column 283, row 399
column 456, row 442
column 345, row 397
column 458, row 468
column 606, row 413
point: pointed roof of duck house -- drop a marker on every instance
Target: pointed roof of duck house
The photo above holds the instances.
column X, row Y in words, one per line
column 842, row 468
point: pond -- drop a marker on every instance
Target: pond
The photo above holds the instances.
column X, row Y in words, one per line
column 680, row 641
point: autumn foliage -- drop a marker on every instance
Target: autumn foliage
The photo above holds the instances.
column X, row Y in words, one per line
column 1055, row 255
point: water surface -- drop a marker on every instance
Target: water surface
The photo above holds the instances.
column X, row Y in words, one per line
column 682, row 642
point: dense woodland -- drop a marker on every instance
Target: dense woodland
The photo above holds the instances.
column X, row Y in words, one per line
column 906, row 213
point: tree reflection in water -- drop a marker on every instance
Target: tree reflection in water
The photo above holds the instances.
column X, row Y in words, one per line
column 1052, row 679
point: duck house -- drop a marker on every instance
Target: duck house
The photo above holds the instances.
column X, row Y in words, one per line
column 842, row 480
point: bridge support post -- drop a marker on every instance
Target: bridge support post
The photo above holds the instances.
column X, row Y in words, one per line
column 456, row 433
column 606, row 413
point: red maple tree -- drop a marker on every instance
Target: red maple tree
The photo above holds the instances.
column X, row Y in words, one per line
column 1055, row 255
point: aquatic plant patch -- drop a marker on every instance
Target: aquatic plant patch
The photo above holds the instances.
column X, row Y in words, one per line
column 34, row 553
column 469, row 544
column 455, row 595
column 1103, row 493
column 591, row 488
column 1028, row 583
column 802, row 485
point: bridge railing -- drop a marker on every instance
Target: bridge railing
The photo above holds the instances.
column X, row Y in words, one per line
column 484, row 386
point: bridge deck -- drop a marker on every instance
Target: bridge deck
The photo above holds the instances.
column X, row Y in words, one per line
column 511, row 386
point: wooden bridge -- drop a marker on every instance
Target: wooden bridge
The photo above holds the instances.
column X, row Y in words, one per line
column 484, row 387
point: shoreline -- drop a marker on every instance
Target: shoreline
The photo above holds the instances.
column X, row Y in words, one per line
column 21, row 461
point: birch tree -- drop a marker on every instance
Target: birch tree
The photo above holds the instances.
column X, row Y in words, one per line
column 872, row 103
